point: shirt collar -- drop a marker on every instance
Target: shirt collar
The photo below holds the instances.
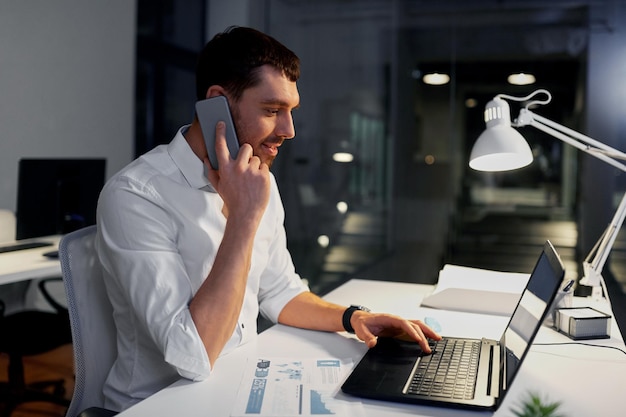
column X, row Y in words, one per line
column 188, row 163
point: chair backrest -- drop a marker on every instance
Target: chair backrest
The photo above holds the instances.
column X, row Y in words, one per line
column 91, row 318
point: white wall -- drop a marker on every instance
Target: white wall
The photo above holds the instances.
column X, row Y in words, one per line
column 66, row 83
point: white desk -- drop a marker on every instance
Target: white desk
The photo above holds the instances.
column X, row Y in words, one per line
column 587, row 380
column 30, row 263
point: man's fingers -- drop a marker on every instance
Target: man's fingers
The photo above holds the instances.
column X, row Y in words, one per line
column 221, row 148
column 368, row 337
column 427, row 330
column 393, row 326
column 414, row 330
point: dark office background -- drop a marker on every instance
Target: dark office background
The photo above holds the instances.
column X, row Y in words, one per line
column 408, row 203
column 114, row 79
column 412, row 202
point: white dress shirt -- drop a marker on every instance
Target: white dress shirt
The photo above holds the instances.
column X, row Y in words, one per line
column 160, row 224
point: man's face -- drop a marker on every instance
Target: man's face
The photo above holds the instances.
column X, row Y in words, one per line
column 262, row 115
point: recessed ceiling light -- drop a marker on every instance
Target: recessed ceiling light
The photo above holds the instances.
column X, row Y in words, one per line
column 470, row 103
column 323, row 241
column 436, row 78
column 343, row 157
column 521, row 79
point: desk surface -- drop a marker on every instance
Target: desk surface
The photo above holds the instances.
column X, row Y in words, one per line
column 587, row 380
column 30, row 263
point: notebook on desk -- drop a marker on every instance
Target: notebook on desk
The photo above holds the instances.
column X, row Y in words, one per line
column 468, row 373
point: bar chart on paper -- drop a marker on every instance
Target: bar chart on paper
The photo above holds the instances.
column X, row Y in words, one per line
column 293, row 387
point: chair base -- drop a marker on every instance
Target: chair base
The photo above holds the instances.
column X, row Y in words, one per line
column 12, row 397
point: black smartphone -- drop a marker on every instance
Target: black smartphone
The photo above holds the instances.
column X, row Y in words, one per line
column 211, row 111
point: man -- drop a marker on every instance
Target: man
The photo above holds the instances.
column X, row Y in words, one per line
column 191, row 258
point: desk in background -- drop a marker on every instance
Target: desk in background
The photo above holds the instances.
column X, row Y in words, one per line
column 587, row 380
column 27, row 264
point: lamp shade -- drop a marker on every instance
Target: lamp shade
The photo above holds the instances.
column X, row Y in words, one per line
column 499, row 147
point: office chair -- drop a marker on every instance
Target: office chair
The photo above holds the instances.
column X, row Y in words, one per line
column 32, row 332
column 91, row 319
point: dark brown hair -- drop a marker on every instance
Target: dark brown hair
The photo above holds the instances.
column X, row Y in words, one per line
column 232, row 59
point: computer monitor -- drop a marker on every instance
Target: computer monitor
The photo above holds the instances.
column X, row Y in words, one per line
column 57, row 196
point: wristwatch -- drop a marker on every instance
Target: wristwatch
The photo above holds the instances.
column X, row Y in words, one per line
column 347, row 315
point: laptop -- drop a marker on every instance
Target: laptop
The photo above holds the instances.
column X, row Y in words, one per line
column 396, row 370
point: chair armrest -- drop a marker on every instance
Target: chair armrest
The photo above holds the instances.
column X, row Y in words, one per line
column 46, row 294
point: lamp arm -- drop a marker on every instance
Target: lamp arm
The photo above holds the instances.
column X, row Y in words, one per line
column 594, row 262
column 573, row 138
column 597, row 257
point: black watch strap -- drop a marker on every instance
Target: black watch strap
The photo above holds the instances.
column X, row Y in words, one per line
column 347, row 315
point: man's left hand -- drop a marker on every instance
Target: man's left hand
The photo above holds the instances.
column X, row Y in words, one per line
column 369, row 326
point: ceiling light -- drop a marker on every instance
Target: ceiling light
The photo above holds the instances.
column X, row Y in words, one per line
column 323, row 241
column 343, row 157
column 521, row 79
column 436, row 78
column 470, row 103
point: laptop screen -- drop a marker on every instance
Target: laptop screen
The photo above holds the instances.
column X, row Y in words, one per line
column 532, row 308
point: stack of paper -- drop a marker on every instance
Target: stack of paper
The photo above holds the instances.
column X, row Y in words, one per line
column 477, row 290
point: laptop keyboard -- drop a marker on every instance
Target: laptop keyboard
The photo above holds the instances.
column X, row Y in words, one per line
column 449, row 372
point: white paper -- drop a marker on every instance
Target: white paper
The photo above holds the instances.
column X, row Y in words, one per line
column 454, row 276
column 294, row 387
column 475, row 290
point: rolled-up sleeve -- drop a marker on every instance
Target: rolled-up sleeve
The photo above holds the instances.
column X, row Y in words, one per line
column 182, row 336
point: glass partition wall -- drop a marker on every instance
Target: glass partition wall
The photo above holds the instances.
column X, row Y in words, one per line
column 417, row 202
column 376, row 183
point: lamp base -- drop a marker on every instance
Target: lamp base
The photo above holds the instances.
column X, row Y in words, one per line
column 596, row 293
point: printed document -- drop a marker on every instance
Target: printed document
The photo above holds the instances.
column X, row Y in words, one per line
column 294, row 387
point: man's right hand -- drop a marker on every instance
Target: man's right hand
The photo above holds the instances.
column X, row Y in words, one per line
column 243, row 183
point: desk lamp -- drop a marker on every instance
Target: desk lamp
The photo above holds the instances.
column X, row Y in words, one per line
column 502, row 148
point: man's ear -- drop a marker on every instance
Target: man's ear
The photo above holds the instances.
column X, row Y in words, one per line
column 214, row 91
